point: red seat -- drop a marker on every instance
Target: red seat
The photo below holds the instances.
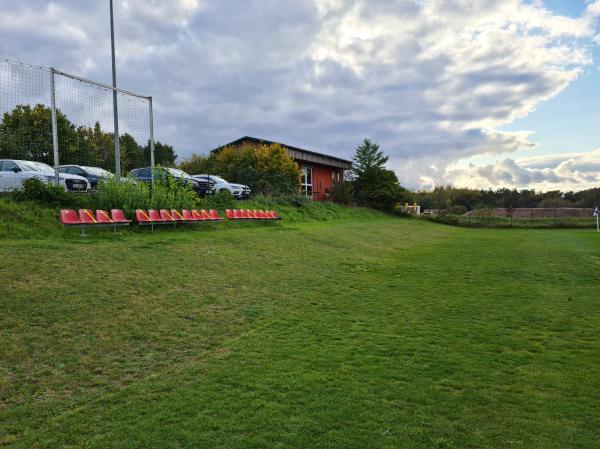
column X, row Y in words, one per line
column 205, row 215
column 177, row 215
column 188, row 216
column 244, row 214
column 87, row 217
column 237, row 214
column 262, row 215
column 154, row 215
column 214, row 215
column 197, row 215
column 68, row 217
column 275, row 215
column 252, row 215
column 229, row 214
column 103, row 217
column 166, row 215
column 141, row 216
column 118, row 216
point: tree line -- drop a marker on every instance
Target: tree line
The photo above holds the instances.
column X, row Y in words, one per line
column 26, row 133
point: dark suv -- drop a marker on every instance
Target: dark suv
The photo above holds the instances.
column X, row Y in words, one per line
column 145, row 175
column 92, row 174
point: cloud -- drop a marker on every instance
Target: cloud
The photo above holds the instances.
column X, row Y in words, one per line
column 430, row 80
column 570, row 171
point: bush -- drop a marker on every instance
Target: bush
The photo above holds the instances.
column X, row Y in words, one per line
column 130, row 195
column 49, row 194
column 342, row 193
column 266, row 169
column 220, row 201
column 457, row 210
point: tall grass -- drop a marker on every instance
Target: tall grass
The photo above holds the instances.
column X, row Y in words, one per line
column 130, row 195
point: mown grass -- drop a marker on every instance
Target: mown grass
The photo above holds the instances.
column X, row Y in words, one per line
column 31, row 220
column 370, row 332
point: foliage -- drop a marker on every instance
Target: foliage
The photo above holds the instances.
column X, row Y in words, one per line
column 220, row 201
column 342, row 193
column 374, row 185
column 130, row 195
column 266, row 169
column 48, row 193
column 80, row 145
column 368, row 158
column 442, row 197
column 195, row 165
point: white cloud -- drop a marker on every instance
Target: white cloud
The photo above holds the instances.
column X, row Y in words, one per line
column 570, row 171
column 430, row 80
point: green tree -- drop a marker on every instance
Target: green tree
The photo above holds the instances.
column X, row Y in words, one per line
column 368, row 158
column 266, row 169
column 26, row 133
column 375, row 185
column 163, row 154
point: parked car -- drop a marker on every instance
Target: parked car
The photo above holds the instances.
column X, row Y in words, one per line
column 239, row 191
column 145, row 175
column 13, row 172
column 92, row 174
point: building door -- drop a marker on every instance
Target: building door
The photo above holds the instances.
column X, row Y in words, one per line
column 306, row 181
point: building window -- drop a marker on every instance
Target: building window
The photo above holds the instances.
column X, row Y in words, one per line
column 306, row 181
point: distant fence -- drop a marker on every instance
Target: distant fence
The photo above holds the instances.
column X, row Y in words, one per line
column 524, row 218
column 57, row 118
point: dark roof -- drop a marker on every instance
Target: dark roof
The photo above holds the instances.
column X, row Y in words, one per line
column 295, row 152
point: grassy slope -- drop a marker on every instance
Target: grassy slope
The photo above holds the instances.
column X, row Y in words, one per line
column 374, row 332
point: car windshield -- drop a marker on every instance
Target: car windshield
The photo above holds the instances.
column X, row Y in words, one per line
column 217, row 179
column 34, row 166
column 178, row 173
column 97, row 171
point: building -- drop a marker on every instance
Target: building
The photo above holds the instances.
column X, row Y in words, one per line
column 319, row 171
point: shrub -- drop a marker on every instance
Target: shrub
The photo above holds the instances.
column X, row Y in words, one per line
column 220, row 201
column 48, row 193
column 266, row 169
column 130, row 195
column 342, row 193
column 457, row 210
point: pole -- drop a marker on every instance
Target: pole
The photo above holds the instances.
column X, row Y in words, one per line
column 114, row 83
column 151, row 141
column 597, row 224
column 54, row 125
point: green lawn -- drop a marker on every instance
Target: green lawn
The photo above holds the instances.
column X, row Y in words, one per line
column 375, row 332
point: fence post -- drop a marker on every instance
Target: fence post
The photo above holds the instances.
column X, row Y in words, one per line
column 151, row 140
column 54, row 125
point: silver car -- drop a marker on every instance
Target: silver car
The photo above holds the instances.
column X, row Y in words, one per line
column 13, row 172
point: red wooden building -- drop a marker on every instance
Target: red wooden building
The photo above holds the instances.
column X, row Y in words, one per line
column 319, row 171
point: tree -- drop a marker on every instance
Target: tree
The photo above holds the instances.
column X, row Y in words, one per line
column 375, row 185
column 368, row 157
column 195, row 165
column 26, row 133
column 163, row 154
column 266, row 169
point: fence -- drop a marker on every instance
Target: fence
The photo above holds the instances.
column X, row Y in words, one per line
column 55, row 118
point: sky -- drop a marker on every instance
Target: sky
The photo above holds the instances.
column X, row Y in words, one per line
column 474, row 93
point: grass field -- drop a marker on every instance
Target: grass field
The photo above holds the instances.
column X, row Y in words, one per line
column 360, row 331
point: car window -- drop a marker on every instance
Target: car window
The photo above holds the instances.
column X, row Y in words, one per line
column 178, row 173
column 97, row 171
column 9, row 166
column 77, row 171
column 35, row 166
column 63, row 169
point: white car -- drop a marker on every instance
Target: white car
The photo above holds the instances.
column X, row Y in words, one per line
column 13, row 172
column 239, row 191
